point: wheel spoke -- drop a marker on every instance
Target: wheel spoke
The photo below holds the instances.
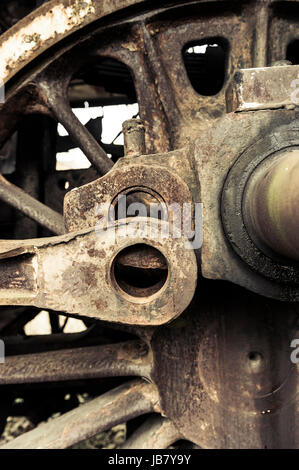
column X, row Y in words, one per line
column 122, row 359
column 18, row 345
column 114, row 407
column 78, row 132
column 34, row 209
column 166, row 94
column 155, row 433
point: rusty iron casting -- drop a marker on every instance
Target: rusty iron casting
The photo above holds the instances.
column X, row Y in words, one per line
column 150, row 175
column 235, row 371
column 134, row 138
column 212, row 331
column 263, row 88
column 75, row 274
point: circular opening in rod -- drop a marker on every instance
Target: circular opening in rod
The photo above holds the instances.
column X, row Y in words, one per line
column 138, row 201
column 139, row 271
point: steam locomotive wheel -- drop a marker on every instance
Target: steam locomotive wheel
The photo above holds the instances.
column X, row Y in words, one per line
column 211, row 362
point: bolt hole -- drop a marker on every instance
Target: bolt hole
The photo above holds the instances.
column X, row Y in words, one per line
column 64, row 184
column 136, row 202
column 254, row 356
column 140, row 270
column 255, row 361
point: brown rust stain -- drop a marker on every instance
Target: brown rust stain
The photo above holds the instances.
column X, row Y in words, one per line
column 94, row 253
column 32, row 38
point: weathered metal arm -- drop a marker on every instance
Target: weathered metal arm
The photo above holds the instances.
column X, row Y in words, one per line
column 74, row 274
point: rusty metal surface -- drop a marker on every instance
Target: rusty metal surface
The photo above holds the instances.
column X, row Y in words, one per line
column 148, row 174
column 30, row 206
column 74, row 274
column 227, row 363
column 222, row 371
column 263, row 88
column 155, row 433
column 169, row 106
column 122, row 359
column 225, row 158
column 50, row 23
column 134, row 138
column 125, row 402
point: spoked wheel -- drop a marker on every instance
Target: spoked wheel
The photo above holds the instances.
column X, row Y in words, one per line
column 209, row 364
